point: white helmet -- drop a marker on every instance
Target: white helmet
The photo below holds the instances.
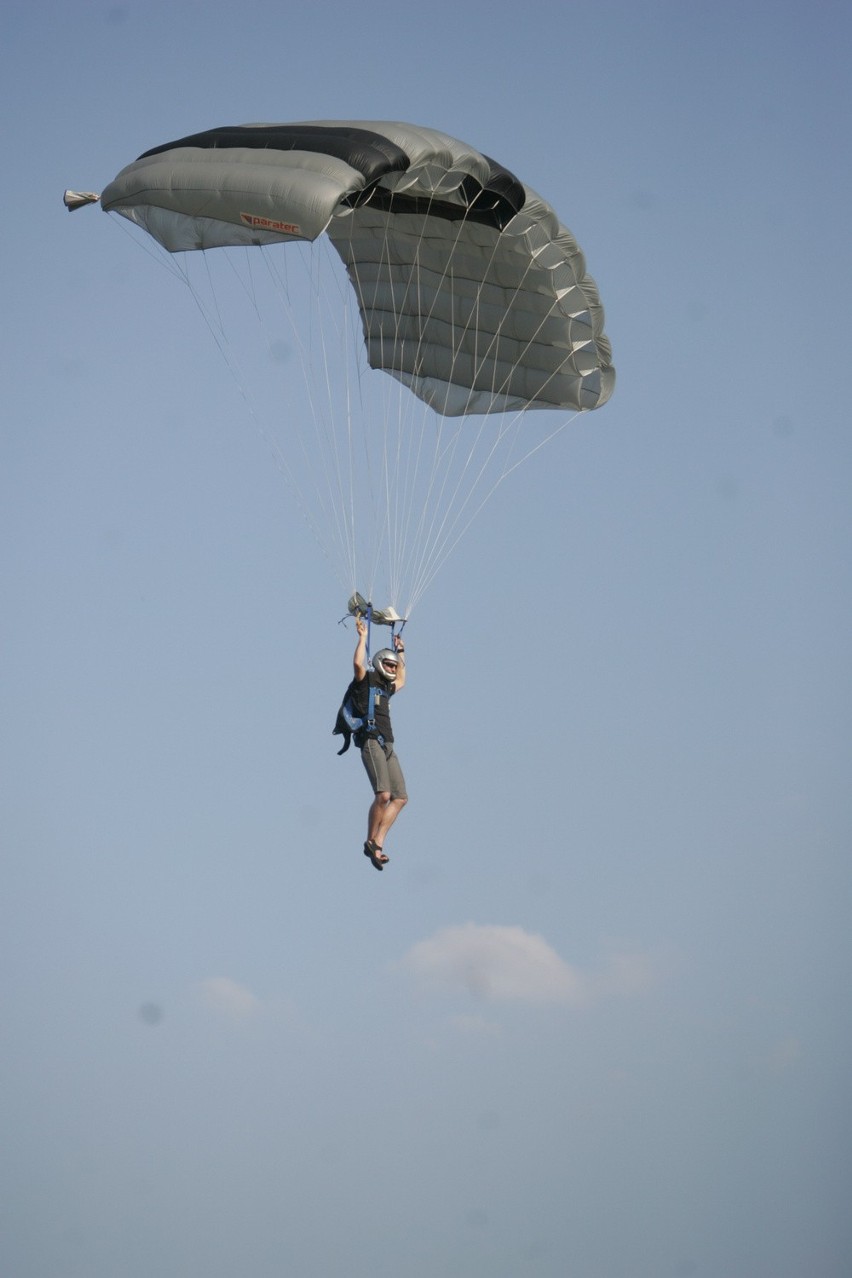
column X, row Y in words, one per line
column 384, row 658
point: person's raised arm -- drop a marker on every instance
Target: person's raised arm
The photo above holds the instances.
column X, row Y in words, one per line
column 399, row 681
column 359, row 661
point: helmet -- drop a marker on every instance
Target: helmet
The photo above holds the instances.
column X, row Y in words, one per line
column 383, row 658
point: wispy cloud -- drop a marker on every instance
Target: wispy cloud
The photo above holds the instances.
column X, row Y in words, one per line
column 228, row 997
column 508, row 964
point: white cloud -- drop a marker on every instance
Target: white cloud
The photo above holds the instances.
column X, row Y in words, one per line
column 496, row 964
column 227, row 996
column 507, row 964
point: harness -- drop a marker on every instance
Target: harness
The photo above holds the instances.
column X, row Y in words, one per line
column 350, row 724
column 370, row 725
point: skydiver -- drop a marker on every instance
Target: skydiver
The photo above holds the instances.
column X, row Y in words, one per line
column 387, row 677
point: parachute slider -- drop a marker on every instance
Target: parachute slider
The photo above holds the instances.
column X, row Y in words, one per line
column 358, row 606
column 79, row 199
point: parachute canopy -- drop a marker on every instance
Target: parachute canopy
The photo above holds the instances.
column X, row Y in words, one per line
column 470, row 291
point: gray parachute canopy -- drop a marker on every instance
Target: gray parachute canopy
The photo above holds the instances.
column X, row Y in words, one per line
column 470, row 290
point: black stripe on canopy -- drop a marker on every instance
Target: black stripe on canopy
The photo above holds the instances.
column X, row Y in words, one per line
column 369, row 153
column 372, row 155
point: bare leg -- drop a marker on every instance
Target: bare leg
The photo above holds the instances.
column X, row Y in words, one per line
column 383, row 812
column 383, row 818
column 374, row 816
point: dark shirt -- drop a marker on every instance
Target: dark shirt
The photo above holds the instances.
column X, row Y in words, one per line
column 381, row 711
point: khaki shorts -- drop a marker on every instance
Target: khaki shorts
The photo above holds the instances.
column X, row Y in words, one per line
column 383, row 769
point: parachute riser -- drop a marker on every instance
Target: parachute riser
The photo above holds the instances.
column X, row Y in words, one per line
column 393, row 630
column 367, row 613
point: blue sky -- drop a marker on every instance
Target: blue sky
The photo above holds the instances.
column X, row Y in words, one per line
column 593, row 1019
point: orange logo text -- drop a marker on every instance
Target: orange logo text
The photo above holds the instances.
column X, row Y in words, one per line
column 269, row 224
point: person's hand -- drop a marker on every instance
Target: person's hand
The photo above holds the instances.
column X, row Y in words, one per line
column 361, row 626
column 398, row 644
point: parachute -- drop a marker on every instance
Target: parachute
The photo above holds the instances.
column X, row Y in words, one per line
column 469, row 293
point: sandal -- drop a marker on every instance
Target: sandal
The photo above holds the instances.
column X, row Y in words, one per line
column 375, row 853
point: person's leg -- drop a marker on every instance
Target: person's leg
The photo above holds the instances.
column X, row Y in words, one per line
column 375, row 764
column 396, row 799
column 386, row 817
column 377, row 823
